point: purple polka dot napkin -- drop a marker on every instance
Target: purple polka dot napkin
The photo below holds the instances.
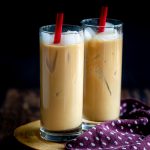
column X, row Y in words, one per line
column 130, row 132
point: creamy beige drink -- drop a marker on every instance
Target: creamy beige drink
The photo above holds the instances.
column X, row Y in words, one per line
column 61, row 82
column 102, row 82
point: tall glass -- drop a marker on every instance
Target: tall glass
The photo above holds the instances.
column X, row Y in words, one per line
column 102, row 75
column 61, row 83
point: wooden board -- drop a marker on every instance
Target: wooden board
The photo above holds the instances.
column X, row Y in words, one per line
column 28, row 134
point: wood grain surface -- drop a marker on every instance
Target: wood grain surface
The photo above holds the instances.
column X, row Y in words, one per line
column 28, row 134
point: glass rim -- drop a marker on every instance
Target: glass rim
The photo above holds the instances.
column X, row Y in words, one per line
column 41, row 29
column 109, row 20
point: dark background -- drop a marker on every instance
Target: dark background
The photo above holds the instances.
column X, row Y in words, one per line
column 19, row 50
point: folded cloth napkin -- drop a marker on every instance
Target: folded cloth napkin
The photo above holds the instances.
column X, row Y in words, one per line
column 130, row 132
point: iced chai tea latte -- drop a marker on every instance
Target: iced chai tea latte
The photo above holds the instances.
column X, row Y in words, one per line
column 103, row 67
column 61, row 68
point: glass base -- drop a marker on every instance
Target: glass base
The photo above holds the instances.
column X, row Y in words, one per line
column 61, row 136
column 86, row 124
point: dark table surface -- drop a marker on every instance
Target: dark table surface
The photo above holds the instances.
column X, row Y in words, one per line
column 22, row 106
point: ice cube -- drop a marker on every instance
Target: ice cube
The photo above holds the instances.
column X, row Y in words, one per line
column 89, row 33
column 109, row 34
column 109, row 25
column 70, row 37
column 47, row 38
column 109, row 30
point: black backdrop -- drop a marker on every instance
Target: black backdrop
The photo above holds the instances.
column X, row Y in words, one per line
column 20, row 21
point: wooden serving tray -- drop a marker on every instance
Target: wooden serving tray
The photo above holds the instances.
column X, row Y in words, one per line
column 28, row 135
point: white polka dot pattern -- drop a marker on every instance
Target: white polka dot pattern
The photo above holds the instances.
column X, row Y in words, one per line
column 108, row 138
column 139, row 143
column 81, row 144
column 116, row 142
column 104, row 128
column 126, row 142
column 107, row 127
column 130, row 138
column 97, row 138
column 135, row 122
column 69, row 145
column 148, row 143
column 119, row 121
column 94, row 128
column 93, row 144
column 103, row 143
column 134, row 147
column 125, row 134
column 129, row 125
column 119, row 138
column 131, row 130
column 124, row 105
column 90, row 132
column 113, row 124
column 112, row 133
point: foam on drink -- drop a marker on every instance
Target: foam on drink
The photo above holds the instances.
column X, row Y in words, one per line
column 108, row 34
column 69, row 37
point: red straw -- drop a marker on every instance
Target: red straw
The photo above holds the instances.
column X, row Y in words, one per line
column 102, row 18
column 58, row 28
